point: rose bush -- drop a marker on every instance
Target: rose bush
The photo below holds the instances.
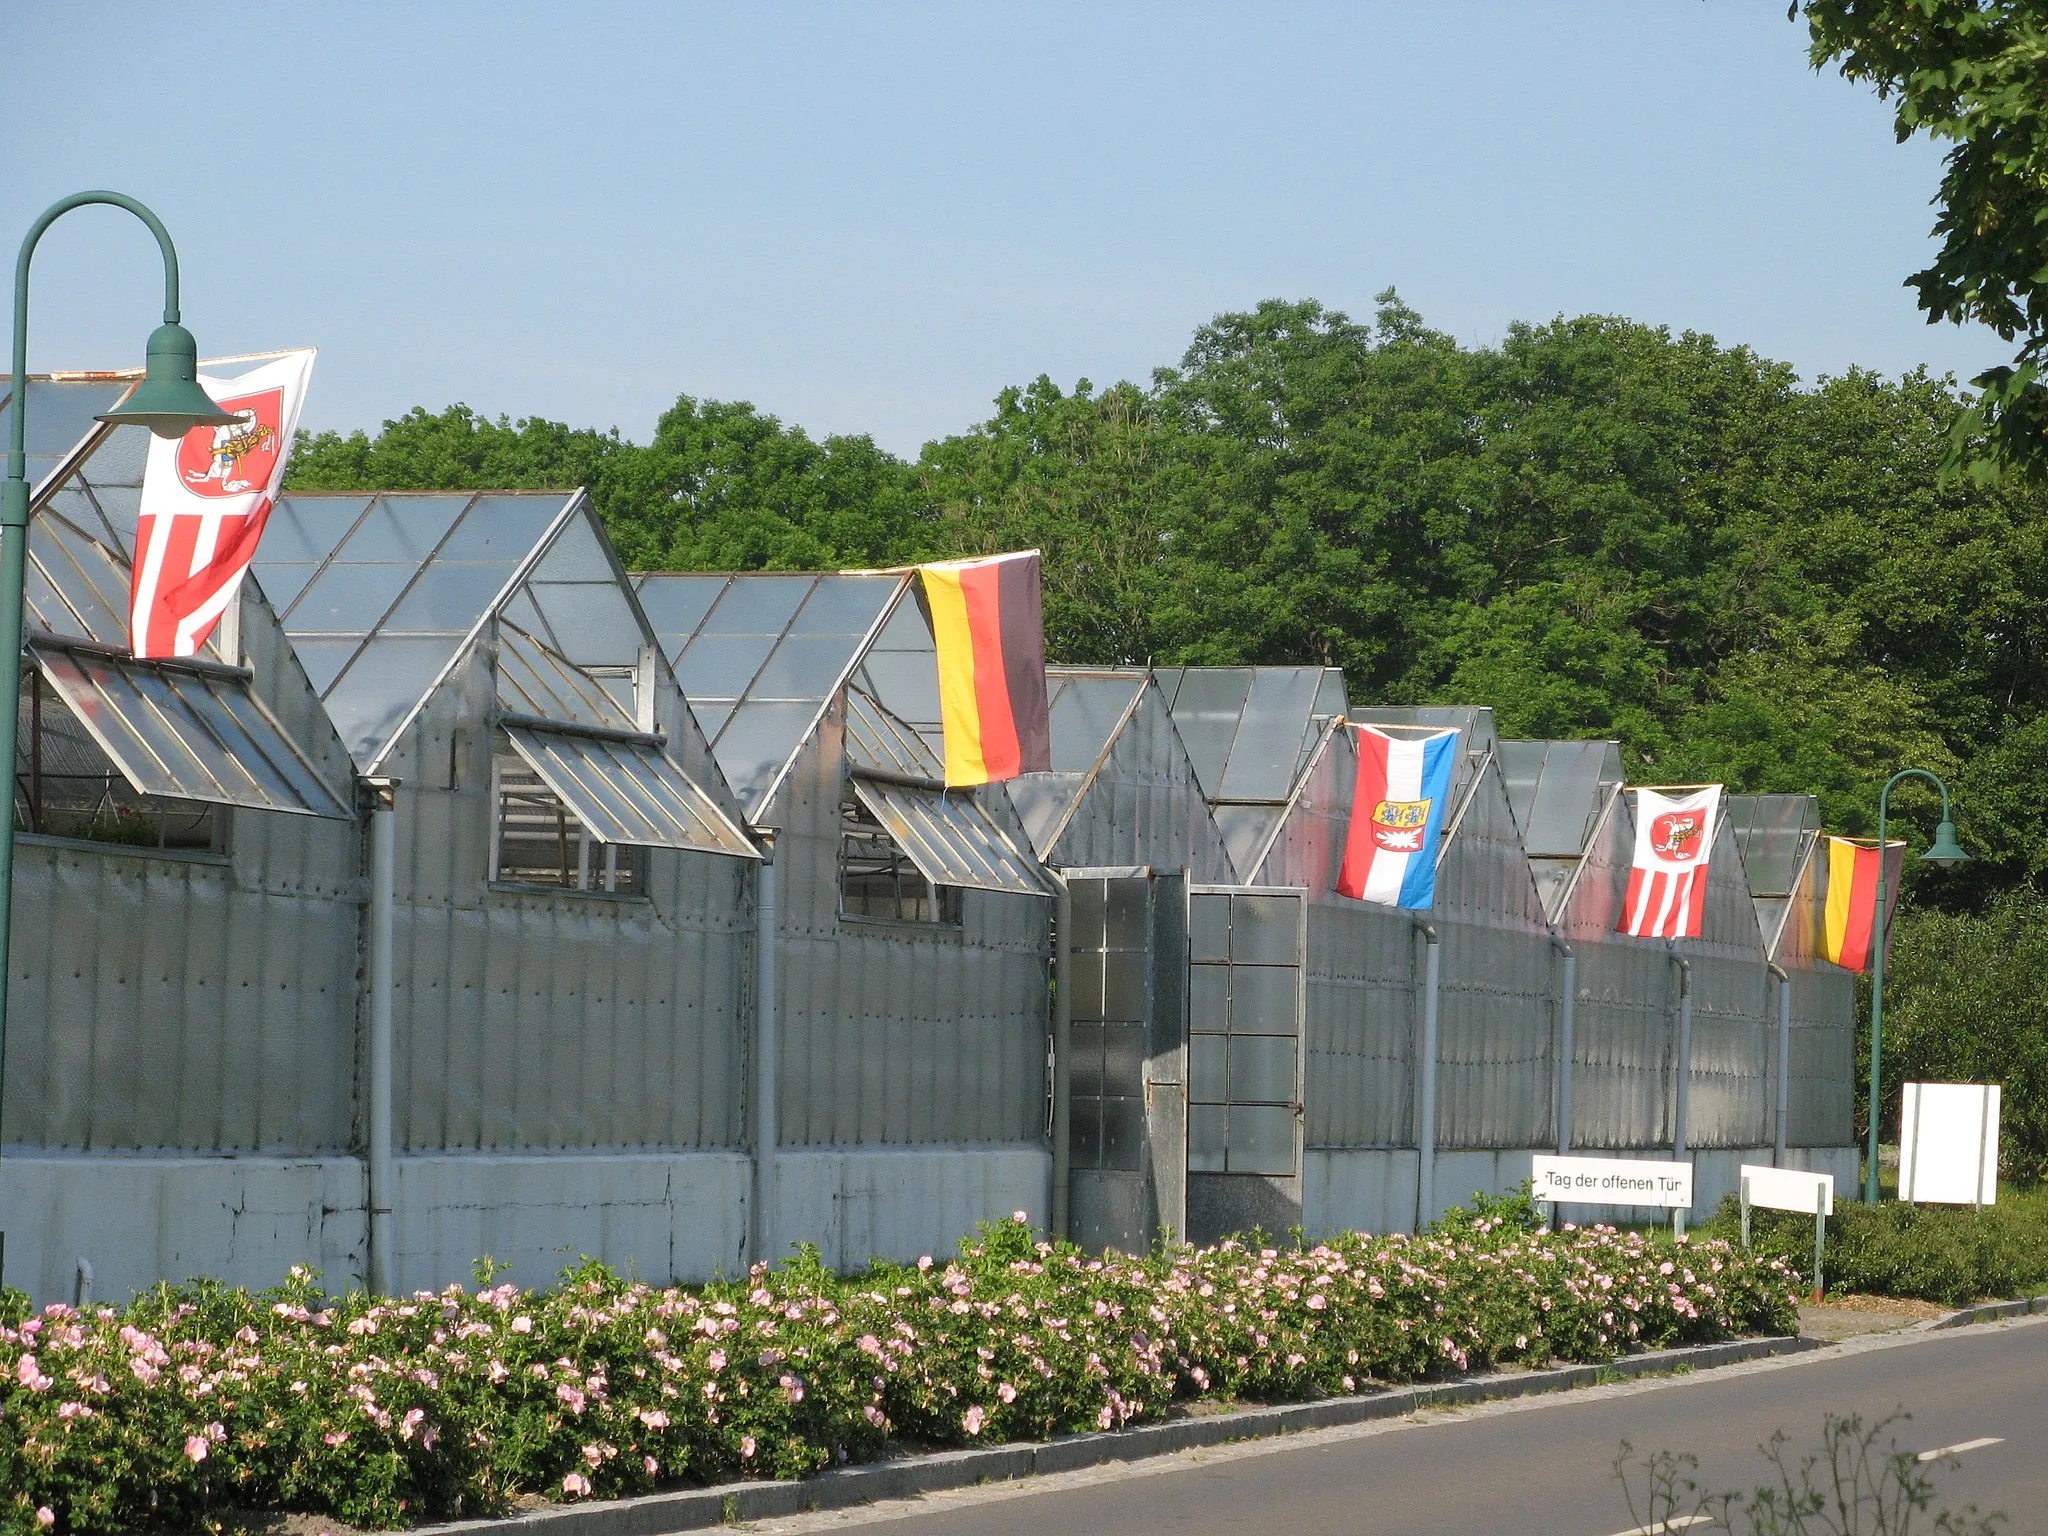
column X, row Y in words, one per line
column 384, row 1411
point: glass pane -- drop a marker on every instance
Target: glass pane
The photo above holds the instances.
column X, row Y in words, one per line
column 844, row 605
column 593, row 623
column 239, row 738
column 348, row 599
column 576, row 556
column 1123, row 985
column 385, row 681
column 1084, row 1070
column 1130, row 914
column 1262, row 999
column 1206, row 1137
column 907, row 683
column 758, row 605
column 1262, row 929
column 721, row 666
column 1261, row 1069
column 323, row 658
column 1123, row 1058
column 710, row 717
column 1208, row 927
column 676, row 605
column 1085, row 971
column 1087, row 906
column 304, row 785
column 1123, row 1134
column 1086, row 1136
column 447, row 597
column 804, row 667
column 502, row 528
column 1207, row 1057
column 282, row 583
column 1268, row 740
column 401, row 528
column 1261, row 1140
column 307, row 528
column 757, row 741
column 1208, row 997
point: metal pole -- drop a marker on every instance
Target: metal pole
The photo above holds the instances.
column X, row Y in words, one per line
column 1820, row 1236
column 1878, row 926
column 383, row 883
column 1565, row 1049
column 1425, row 1131
column 1062, row 1054
column 1681, row 1106
column 765, row 1057
column 1784, row 1065
column 14, row 548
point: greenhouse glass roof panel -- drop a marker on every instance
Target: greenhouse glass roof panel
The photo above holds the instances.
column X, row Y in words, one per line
column 950, row 838
column 1773, row 832
column 628, row 792
column 60, row 417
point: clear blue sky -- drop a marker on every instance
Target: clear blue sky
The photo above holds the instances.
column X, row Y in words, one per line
column 873, row 217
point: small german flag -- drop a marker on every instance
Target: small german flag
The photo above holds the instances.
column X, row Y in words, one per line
column 988, row 621
column 1852, row 897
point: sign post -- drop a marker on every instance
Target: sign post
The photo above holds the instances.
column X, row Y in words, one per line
column 1791, row 1189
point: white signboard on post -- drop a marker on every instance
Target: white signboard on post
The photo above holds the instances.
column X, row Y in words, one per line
column 1948, row 1143
column 1789, row 1189
column 1611, row 1181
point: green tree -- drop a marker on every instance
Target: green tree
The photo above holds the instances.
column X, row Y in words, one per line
column 1968, row 73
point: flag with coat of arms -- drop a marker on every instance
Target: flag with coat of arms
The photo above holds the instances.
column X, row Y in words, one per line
column 1667, row 879
column 205, row 499
column 1397, row 815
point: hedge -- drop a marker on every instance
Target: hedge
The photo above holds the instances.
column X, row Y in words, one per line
column 383, row 1411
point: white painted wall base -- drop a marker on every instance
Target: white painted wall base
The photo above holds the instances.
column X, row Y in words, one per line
column 862, row 1203
column 675, row 1217
column 138, row 1220
column 658, row 1217
column 1374, row 1190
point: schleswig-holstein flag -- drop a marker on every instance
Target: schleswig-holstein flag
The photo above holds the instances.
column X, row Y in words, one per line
column 1397, row 817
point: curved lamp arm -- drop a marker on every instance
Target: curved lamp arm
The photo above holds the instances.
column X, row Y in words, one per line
column 17, row 458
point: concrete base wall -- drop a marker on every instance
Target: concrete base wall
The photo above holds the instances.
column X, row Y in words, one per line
column 1374, row 1190
column 138, row 1220
column 662, row 1218
column 862, row 1203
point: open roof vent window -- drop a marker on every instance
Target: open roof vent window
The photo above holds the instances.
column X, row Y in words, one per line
column 541, row 842
column 877, row 879
column 66, row 786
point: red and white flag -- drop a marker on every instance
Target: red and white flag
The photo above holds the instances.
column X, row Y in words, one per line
column 1667, row 883
column 205, row 499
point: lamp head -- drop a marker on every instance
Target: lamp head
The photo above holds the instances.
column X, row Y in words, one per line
column 1945, row 849
column 169, row 400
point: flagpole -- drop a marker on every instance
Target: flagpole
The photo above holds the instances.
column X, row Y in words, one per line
column 168, row 409
column 1945, row 850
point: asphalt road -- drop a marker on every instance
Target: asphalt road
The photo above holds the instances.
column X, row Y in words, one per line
column 1543, row 1467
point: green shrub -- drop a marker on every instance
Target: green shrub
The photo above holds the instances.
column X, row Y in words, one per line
column 1948, row 1254
column 385, row 1411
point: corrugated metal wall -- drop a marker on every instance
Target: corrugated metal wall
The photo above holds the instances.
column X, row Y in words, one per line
column 189, row 1002
column 534, row 1020
column 1497, row 987
column 1626, row 1020
column 1142, row 806
column 899, row 1033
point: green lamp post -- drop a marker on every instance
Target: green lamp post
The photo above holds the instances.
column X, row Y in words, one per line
column 168, row 401
column 1944, row 850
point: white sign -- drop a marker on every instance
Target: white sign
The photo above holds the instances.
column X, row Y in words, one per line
column 1948, row 1143
column 1612, row 1181
column 1789, row 1189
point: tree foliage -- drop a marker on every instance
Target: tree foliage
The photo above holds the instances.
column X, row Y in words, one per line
column 1969, row 73
column 1597, row 527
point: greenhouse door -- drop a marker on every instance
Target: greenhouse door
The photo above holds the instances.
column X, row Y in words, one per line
column 1126, row 1054
column 1245, row 1002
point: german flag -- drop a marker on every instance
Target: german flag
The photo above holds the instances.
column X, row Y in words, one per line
column 988, row 620
column 1852, row 897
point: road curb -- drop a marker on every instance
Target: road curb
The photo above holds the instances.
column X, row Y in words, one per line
column 1989, row 1311
column 699, row 1508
